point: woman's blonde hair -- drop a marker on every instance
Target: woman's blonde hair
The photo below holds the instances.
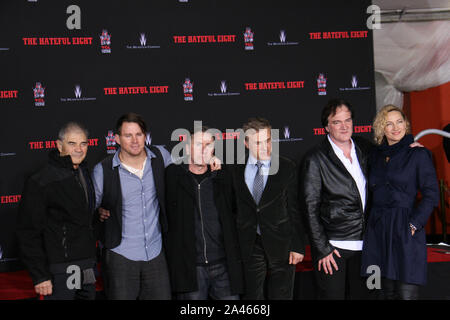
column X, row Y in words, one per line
column 380, row 122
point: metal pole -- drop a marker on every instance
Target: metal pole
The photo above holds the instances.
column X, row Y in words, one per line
column 443, row 190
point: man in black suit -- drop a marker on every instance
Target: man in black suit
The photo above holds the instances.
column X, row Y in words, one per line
column 269, row 227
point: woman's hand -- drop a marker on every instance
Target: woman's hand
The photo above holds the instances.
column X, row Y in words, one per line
column 413, row 229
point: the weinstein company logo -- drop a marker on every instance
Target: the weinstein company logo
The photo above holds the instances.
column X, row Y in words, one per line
column 354, row 82
column 148, row 139
column 7, row 154
column 188, row 88
column 105, row 41
column 77, row 91
column 355, row 87
column 223, row 91
column 39, row 95
column 143, row 39
column 283, row 41
column 111, row 147
column 248, row 39
column 283, row 36
column 223, row 86
column 287, row 136
column 287, row 133
column 322, row 85
column 143, row 43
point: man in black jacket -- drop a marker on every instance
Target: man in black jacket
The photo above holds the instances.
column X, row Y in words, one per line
column 203, row 253
column 334, row 196
column 269, row 227
column 54, row 229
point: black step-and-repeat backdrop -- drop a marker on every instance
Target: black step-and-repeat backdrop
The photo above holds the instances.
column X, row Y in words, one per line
column 173, row 61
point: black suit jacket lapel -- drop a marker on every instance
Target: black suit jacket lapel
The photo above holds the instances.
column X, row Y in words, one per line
column 241, row 186
column 273, row 187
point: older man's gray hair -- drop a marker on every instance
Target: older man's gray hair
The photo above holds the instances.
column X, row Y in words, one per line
column 70, row 127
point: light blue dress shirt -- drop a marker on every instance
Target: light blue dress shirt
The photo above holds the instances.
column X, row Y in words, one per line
column 141, row 231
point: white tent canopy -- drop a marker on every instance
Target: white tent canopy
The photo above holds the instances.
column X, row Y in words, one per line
column 413, row 53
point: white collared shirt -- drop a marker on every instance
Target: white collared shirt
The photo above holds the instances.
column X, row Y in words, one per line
column 355, row 171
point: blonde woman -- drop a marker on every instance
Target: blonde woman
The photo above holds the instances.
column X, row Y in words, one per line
column 395, row 237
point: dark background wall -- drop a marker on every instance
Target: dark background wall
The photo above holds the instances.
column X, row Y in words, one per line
column 27, row 130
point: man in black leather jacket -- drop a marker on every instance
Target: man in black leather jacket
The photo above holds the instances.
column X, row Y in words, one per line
column 333, row 195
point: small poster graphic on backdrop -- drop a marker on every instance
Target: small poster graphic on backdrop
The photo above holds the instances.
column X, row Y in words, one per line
column 111, row 147
column 248, row 39
column 105, row 41
column 188, row 88
column 39, row 95
column 322, row 85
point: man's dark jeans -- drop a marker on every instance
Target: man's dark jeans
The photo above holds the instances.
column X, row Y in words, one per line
column 213, row 281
